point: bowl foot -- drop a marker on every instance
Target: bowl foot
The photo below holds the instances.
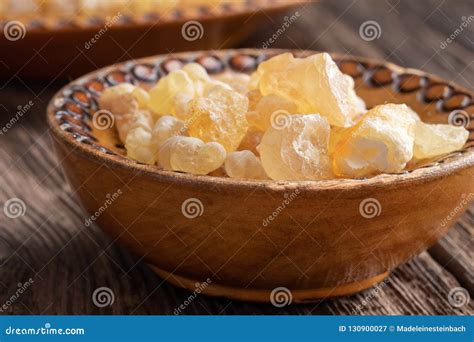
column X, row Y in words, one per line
column 262, row 295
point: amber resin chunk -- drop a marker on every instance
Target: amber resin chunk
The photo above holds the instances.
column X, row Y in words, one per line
column 435, row 140
column 298, row 151
column 219, row 116
column 124, row 98
column 382, row 141
column 191, row 155
column 314, row 83
column 244, row 164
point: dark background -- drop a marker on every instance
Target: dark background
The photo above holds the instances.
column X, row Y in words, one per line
column 68, row 261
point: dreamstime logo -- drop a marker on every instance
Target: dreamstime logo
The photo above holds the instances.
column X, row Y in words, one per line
column 192, row 208
column 370, row 208
column 14, row 208
column 14, row 30
column 103, row 119
column 192, row 30
column 459, row 118
column 280, row 297
column 103, row 296
column 370, row 30
column 43, row 330
column 458, row 297
column 280, row 119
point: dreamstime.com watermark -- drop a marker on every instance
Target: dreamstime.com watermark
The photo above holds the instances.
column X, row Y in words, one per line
column 21, row 110
column 370, row 30
column 464, row 24
column 14, row 30
column 287, row 22
column 103, row 119
column 280, row 297
column 280, row 119
column 288, row 198
column 374, row 292
column 103, row 296
column 200, row 287
column 108, row 24
column 22, row 287
column 192, row 30
column 46, row 330
column 192, row 208
column 459, row 208
column 108, row 202
column 14, row 208
column 459, row 118
column 370, row 208
column 458, row 297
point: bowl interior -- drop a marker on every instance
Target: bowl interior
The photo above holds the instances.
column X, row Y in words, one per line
column 436, row 101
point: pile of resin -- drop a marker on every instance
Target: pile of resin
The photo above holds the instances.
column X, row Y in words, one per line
column 292, row 119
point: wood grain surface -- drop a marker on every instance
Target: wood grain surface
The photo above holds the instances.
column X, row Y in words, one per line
column 68, row 261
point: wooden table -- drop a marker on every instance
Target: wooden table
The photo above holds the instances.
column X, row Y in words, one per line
column 68, row 261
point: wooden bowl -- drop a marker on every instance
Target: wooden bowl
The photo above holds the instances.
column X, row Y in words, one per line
column 51, row 47
column 247, row 238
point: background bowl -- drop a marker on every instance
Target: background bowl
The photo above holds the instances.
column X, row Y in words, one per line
column 43, row 47
column 249, row 239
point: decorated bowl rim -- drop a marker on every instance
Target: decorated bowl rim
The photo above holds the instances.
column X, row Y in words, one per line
column 458, row 161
